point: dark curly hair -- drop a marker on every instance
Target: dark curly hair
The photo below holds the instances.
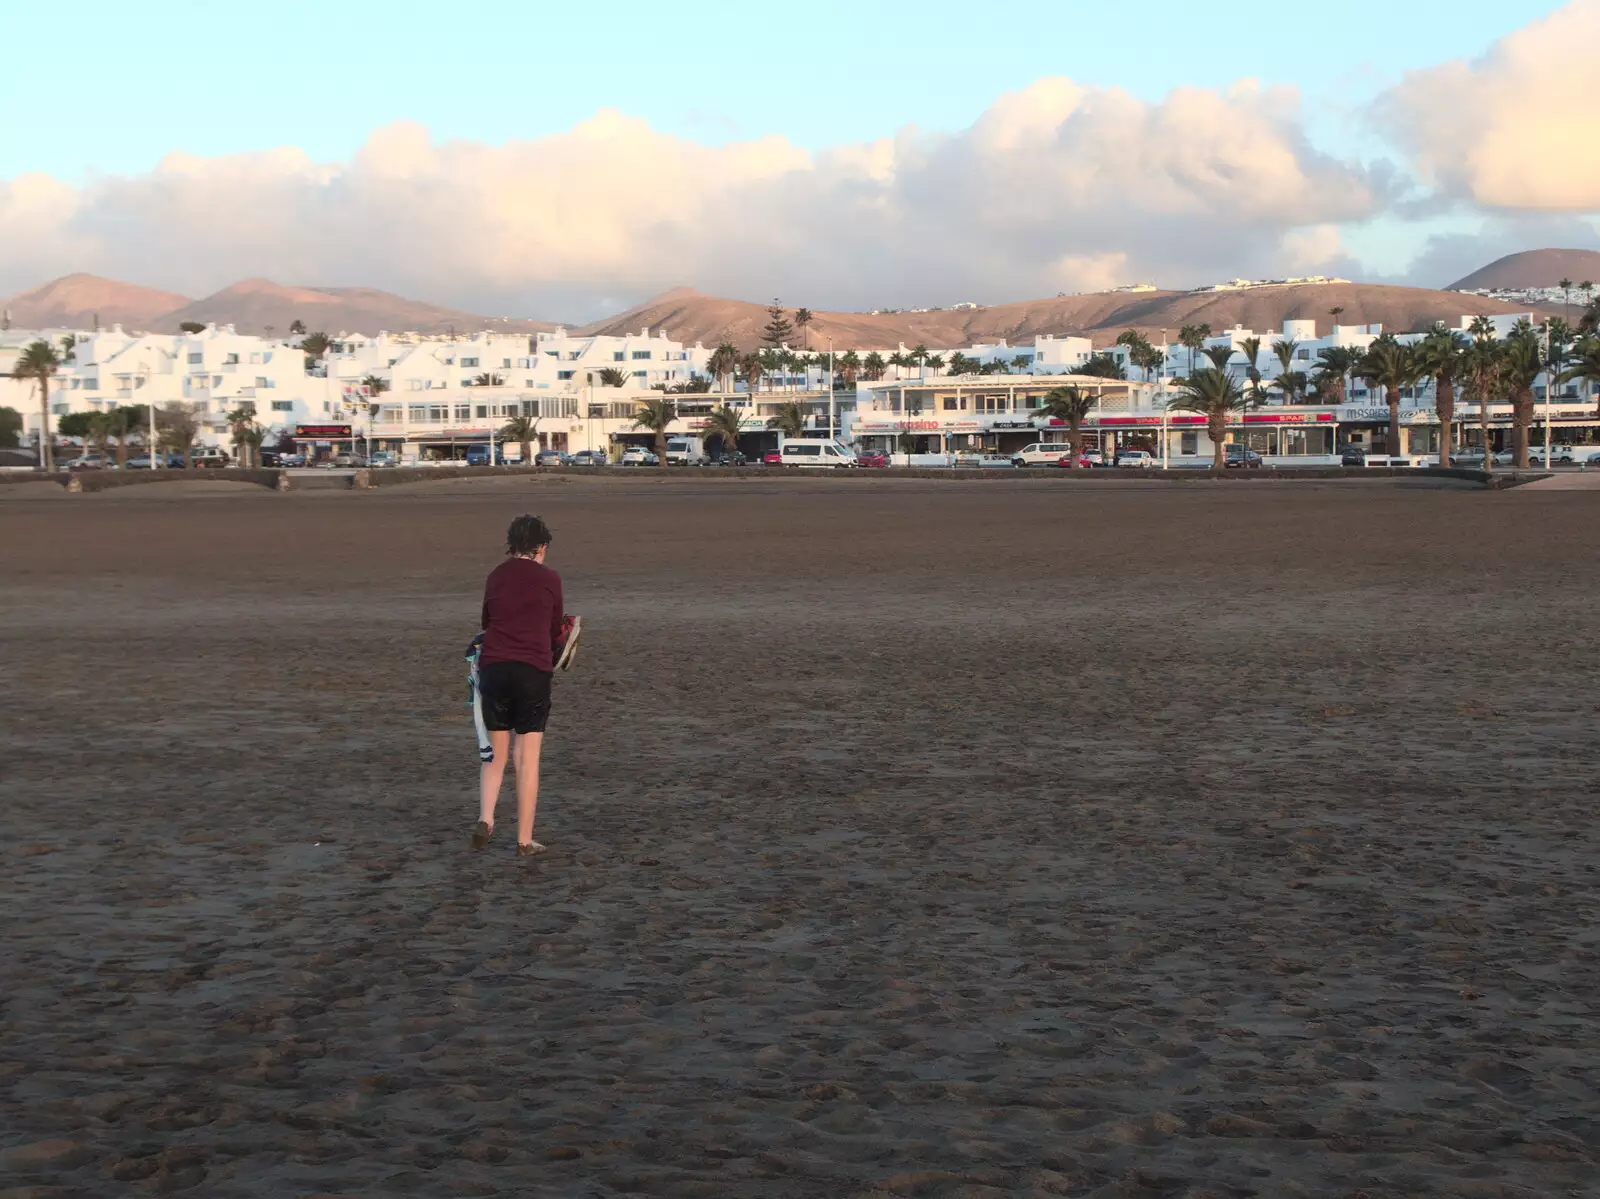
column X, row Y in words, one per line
column 526, row 535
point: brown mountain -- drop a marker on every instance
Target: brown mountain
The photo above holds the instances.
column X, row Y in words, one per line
column 689, row 316
column 1534, row 268
column 256, row 305
column 77, row 301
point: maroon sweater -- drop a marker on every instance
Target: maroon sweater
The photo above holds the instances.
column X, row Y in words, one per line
column 522, row 614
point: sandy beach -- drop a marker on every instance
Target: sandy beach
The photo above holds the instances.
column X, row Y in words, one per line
column 908, row 838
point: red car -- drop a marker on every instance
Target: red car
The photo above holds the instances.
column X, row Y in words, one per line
column 772, row 459
column 1065, row 461
column 872, row 458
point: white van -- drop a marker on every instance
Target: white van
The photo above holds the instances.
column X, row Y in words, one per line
column 685, row 451
column 1042, row 453
column 819, row 455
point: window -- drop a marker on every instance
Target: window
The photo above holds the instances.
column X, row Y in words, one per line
column 196, row 358
column 413, row 384
column 463, row 411
column 247, row 406
column 483, row 412
column 619, row 356
column 469, row 362
column 467, row 382
column 216, row 381
column 255, row 357
column 527, row 382
column 283, row 405
column 638, row 374
column 565, row 374
column 231, row 360
column 641, row 355
column 505, row 362
column 554, row 353
column 261, row 381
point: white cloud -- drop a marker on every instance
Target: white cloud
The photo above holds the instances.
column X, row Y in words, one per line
column 1512, row 129
column 1056, row 187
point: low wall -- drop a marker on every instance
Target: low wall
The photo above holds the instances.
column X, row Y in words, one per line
column 89, row 481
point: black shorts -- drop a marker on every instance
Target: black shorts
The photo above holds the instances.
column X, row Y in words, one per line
column 516, row 697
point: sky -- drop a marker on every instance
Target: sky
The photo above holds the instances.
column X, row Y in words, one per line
column 536, row 160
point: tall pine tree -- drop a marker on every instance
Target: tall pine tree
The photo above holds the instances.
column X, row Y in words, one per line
column 778, row 327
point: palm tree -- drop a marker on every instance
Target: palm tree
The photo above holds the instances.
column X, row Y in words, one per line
column 726, row 423
column 1336, row 312
column 918, row 358
column 1194, row 337
column 1566, row 295
column 724, row 364
column 655, row 413
column 490, row 380
column 254, row 435
column 240, row 420
column 40, row 362
column 802, row 319
column 1073, row 405
column 849, row 365
column 752, row 367
column 1585, row 364
column 613, row 376
column 1389, row 365
column 1216, row 396
column 936, row 361
column 1220, row 356
column 524, row 430
column 790, row 420
column 1334, row 365
column 1250, row 347
column 1482, row 366
column 1438, row 357
column 180, row 424
column 1522, row 359
column 873, row 366
column 1020, row 362
column 898, row 360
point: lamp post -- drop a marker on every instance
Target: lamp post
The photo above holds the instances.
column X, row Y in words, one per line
column 832, row 403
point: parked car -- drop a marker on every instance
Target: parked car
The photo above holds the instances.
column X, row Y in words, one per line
column 347, row 461
column 1241, row 457
column 163, row 462
column 1594, row 460
column 587, row 458
column 383, row 458
column 733, row 458
column 1142, row 459
column 986, row 461
column 1065, row 461
column 481, row 455
column 1471, row 455
column 291, row 460
column 772, row 458
column 211, row 457
column 552, row 458
column 1040, row 453
column 1095, row 457
column 1352, row 455
column 875, row 459
column 639, row 456
column 1560, row 455
column 91, row 462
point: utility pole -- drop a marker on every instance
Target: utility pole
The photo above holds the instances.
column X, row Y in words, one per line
column 833, row 434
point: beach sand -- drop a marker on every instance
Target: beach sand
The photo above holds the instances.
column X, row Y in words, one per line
column 908, row 838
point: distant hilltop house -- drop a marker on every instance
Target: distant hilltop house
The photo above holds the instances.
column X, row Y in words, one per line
column 1131, row 288
column 1253, row 284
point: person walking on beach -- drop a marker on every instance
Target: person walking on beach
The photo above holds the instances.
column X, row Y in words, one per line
column 524, row 628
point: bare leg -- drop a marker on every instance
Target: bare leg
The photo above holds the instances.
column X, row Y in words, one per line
column 490, row 776
column 527, row 754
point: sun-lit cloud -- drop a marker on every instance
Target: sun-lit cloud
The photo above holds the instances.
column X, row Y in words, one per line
column 1512, row 129
column 1056, row 187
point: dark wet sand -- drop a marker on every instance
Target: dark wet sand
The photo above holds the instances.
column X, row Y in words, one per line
column 909, row 838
